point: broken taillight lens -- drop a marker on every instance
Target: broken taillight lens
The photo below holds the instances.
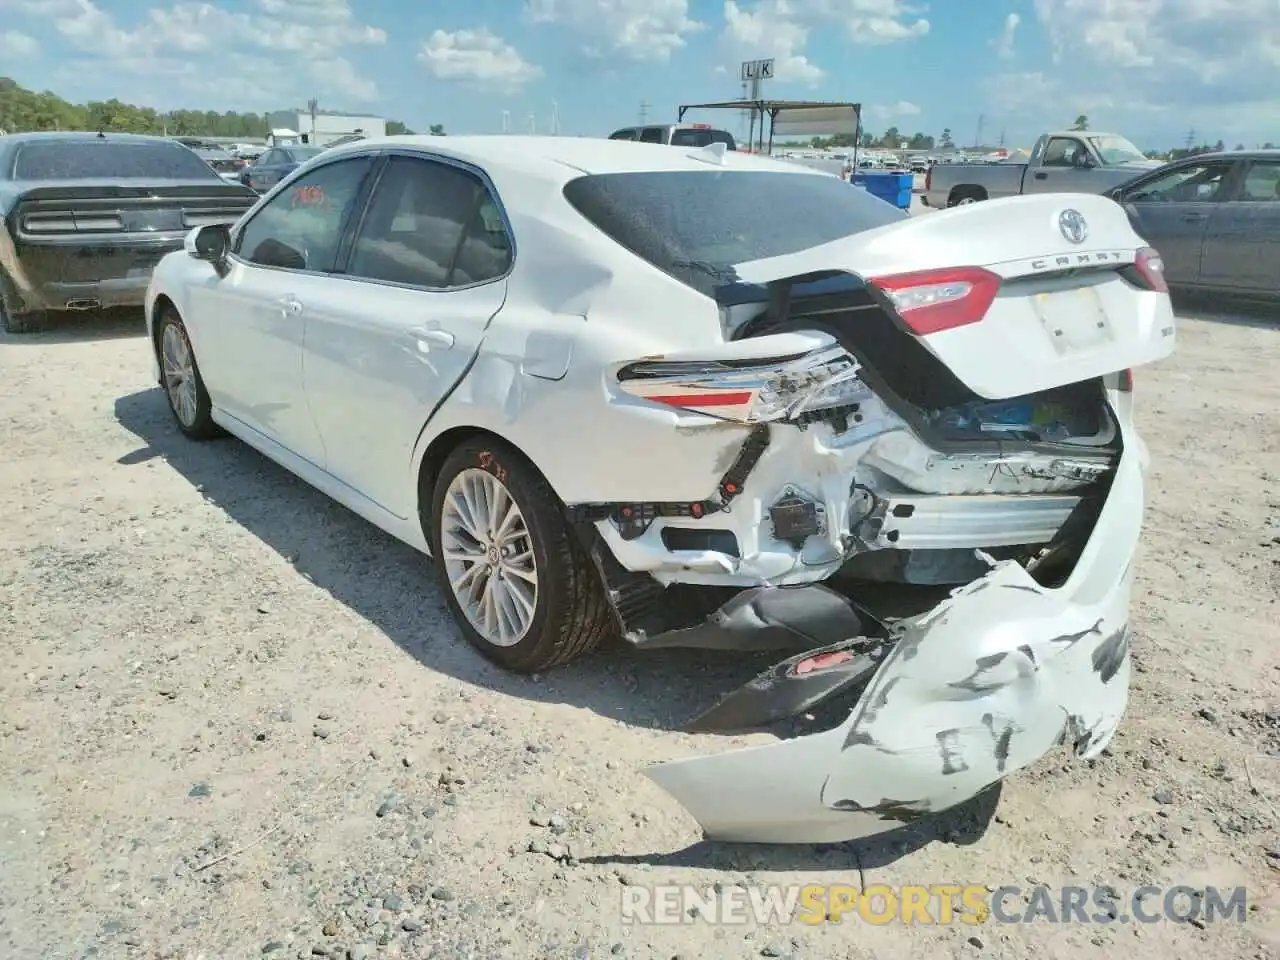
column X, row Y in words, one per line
column 930, row 301
column 1150, row 266
column 750, row 391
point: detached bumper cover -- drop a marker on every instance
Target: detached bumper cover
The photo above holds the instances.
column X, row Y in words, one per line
column 982, row 685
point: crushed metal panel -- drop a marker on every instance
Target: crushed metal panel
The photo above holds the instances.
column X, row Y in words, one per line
column 977, row 688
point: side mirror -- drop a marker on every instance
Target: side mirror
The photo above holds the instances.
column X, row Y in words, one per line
column 1117, row 195
column 210, row 243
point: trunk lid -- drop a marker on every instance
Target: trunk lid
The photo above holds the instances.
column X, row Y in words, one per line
column 56, row 210
column 1069, row 306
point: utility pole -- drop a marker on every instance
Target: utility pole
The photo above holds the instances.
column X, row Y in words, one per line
column 1191, row 137
column 1002, row 138
column 555, row 119
column 506, row 121
column 313, row 105
column 533, row 125
column 977, row 140
column 644, row 112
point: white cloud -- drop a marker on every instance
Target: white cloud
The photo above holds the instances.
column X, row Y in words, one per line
column 1004, row 42
column 477, row 56
column 1156, row 66
column 17, row 45
column 768, row 31
column 637, row 30
column 781, row 28
column 894, row 111
column 291, row 48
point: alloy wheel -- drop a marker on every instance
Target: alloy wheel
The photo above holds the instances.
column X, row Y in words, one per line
column 487, row 552
column 179, row 373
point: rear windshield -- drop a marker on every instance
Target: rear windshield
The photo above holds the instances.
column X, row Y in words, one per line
column 696, row 225
column 701, row 138
column 303, row 153
column 103, row 159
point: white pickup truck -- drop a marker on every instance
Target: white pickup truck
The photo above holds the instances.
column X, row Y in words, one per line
column 1068, row 161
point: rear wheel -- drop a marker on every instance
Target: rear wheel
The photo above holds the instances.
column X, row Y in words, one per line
column 519, row 583
column 13, row 321
column 965, row 196
column 183, row 385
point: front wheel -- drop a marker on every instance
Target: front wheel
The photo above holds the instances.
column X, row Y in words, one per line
column 517, row 580
column 183, row 385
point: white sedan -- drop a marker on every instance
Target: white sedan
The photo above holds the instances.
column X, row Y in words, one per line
column 697, row 397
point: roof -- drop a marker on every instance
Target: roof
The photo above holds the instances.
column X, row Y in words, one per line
column 1234, row 155
column 562, row 158
column 747, row 104
column 55, row 135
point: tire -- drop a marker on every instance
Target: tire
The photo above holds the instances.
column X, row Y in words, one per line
column 32, row 321
column 566, row 615
column 180, row 376
column 964, row 197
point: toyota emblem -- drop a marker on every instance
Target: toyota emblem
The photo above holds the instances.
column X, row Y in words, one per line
column 1073, row 225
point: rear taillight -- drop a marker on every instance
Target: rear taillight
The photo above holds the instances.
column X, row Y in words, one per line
column 930, row 301
column 1124, row 381
column 749, row 391
column 1150, row 266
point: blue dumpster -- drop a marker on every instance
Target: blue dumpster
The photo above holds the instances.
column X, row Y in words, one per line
column 894, row 188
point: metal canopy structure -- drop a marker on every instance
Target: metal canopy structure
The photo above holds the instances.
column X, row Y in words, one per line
column 791, row 117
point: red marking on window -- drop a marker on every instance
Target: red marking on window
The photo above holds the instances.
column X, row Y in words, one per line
column 308, row 197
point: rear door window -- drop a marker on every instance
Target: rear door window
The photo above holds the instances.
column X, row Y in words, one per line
column 696, row 225
column 628, row 134
column 430, row 224
column 1261, row 182
column 103, row 159
column 653, row 135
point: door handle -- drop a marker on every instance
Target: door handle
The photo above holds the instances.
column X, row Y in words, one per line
column 1194, row 217
column 1042, row 176
column 433, row 337
column 290, row 304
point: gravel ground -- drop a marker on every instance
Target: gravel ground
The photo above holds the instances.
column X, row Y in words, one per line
column 238, row 722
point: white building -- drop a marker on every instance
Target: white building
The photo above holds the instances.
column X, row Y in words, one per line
column 294, row 125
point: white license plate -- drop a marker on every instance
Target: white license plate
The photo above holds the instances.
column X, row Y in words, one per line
column 1073, row 319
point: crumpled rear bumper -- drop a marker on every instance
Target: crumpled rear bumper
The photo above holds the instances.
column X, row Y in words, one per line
column 980, row 686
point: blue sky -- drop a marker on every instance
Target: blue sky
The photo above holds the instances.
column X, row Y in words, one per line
column 1150, row 69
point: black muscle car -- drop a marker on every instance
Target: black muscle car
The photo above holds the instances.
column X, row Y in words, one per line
column 84, row 218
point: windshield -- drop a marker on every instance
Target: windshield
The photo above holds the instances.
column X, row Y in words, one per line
column 95, row 159
column 302, row 154
column 696, row 225
column 1114, row 150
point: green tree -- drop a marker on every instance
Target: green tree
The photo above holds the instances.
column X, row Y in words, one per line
column 1082, row 123
column 436, row 130
column 891, row 138
column 945, row 140
column 22, row 109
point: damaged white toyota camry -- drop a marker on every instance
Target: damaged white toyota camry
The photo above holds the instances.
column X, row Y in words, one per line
column 700, row 398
